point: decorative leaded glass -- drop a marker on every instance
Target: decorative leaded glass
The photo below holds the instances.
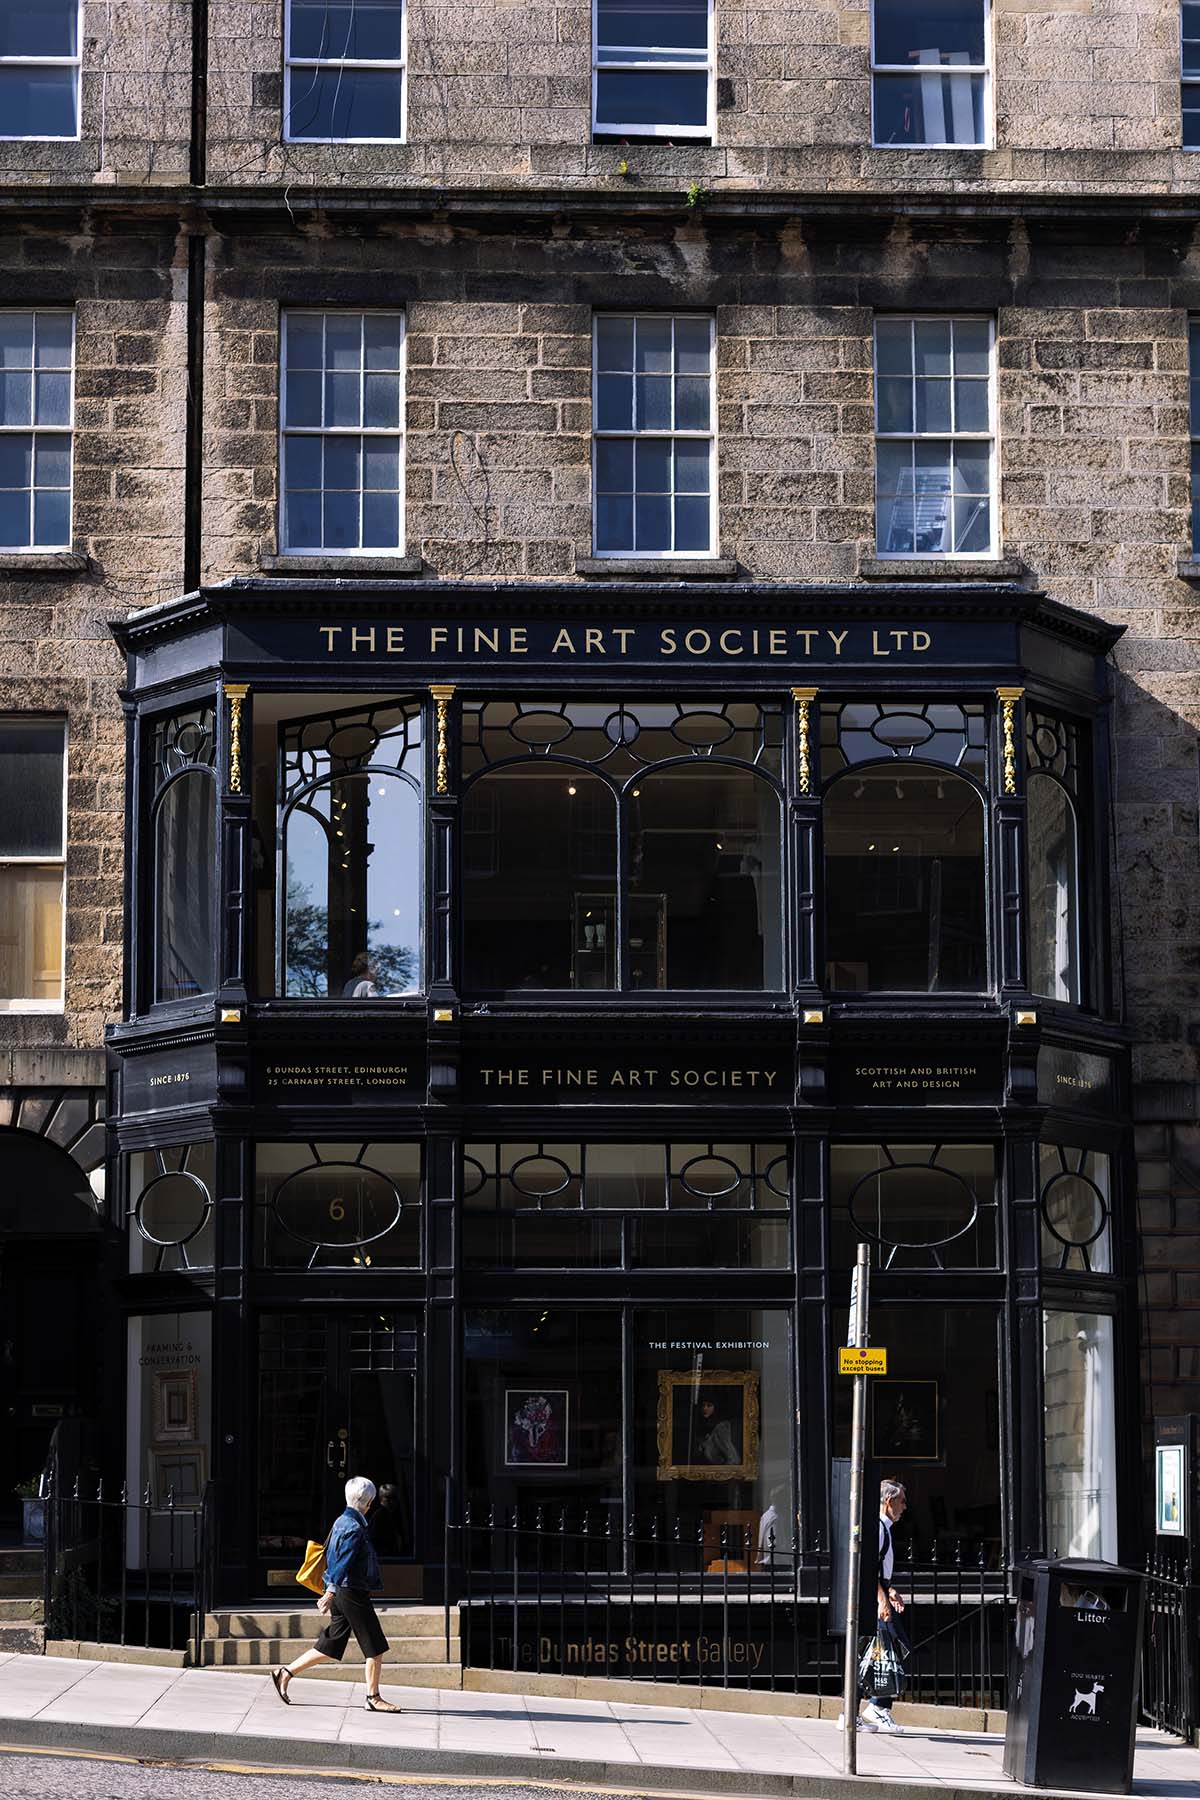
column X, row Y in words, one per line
column 950, row 732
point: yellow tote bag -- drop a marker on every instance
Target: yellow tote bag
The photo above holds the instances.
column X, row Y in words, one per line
column 311, row 1573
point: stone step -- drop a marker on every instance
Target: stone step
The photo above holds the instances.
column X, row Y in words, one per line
column 21, row 1587
column 228, row 1653
column 22, row 1560
column 289, row 1622
column 22, row 1640
column 23, row 1611
column 421, row 1675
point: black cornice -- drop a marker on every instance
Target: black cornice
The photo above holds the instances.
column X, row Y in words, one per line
column 251, row 208
column 967, row 601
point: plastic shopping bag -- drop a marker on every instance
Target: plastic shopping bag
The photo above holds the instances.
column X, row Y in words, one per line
column 881, row 1671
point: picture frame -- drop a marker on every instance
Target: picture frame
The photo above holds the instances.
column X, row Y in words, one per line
column 708, row 1425
column 183, row 1467
column 175, row 1405
column 537, row 1428
column 905, row 1421
column 1170, row 1490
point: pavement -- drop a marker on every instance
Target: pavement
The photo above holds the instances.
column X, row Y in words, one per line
column 214, row 1716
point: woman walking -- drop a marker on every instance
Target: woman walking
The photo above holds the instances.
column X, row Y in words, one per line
column 351, row 1572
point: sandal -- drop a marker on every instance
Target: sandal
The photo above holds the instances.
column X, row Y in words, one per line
column 280, row 1680
column 377, row 1703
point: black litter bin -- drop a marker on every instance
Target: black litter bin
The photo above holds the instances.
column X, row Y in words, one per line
column 1073, row 1687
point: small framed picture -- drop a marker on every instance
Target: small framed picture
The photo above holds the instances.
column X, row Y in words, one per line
column 174, row 1405
column 181, row 1469
column 536, row 1428
column 1170, row 1463
column 708, row 1425
column 904, row 1421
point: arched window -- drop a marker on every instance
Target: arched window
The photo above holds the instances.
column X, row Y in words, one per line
column 1055, row 963
column 350, row 835
column 905, row 896
column 624, row 845
column 184, row 834
column 704, row 858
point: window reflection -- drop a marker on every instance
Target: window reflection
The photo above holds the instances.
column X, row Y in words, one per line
column 904, row 883
column 351, row 839
column 185, row 854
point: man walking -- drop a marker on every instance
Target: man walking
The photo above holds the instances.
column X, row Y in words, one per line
column 893, row 1501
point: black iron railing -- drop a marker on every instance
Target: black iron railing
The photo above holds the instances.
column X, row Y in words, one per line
column 126, row 1569
column 1169, row 1649
column 550, row 1593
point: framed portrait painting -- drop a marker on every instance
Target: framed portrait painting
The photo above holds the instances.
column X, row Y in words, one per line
column 904, row 1421
column 537, row 1423
column 708, row 1425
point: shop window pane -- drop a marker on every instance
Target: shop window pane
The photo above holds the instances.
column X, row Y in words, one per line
column 185, row 850
column 543, row 1401
column 338, row 1206
column 905, row 898
column 920, row 1205
column 540, row 885
column 714, row 1429
column 353, row 850
column 1054, row 960
column 934, row 1424
column 1076, row 1202
column 705, row 856
column 31, row 787
column 170, row 1209
column 1081, row 1436
column 31, row 933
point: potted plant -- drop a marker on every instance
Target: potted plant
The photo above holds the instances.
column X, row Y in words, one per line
column 33, row 1510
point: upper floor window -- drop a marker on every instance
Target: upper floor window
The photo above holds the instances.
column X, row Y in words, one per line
column 344, row 62
column 39, row 68
column 619, row 845
column 934, row 410
column 36, row 360
column 654, row 423
column 342, row 437
column 183, row 814
column 1190, row 66
column 652, row 68
column 929, row 72
column 32, row 862
column 1052, row 792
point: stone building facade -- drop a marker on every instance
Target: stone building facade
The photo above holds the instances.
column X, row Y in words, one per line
column 181, row 224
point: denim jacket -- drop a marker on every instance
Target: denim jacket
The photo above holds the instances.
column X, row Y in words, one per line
column 350, row 1559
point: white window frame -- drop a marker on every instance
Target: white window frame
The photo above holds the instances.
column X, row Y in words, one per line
column 323, row 431
column 636, row 64
column 671, row 435
column 7, row 1003
column 301, row 64
column 33, row 548
column 988, row 139
column 991, row 437
column 52, row 62
column 1187, row 80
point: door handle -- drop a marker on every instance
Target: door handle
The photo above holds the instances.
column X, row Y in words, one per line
column 343, row 1451
column 330, row 1450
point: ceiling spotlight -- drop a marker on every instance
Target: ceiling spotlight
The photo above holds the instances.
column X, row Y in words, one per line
column 570, row 790
column 895, row 847
column 870, row 846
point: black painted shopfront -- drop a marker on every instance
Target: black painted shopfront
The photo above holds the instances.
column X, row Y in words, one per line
column 533, row 996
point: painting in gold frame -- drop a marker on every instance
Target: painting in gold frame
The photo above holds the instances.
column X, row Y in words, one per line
column 707, row 1425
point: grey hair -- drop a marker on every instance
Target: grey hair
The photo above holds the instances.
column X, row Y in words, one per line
column 359, row 1488
column 888, row 1490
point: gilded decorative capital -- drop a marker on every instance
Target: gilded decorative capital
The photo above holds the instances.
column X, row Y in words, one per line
column 804, row 697
column 442, row 697
column 235, row 693
column 1008, row 698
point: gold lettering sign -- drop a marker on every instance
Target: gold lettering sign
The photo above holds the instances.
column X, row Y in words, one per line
column 423, row 641
column 682, row 1080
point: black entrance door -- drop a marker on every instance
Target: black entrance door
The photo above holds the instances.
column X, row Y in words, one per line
column 336, row 1397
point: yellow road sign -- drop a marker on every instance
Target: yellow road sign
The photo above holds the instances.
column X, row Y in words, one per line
column 872, row 1361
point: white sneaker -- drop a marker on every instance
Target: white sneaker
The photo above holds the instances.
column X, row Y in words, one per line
column 879, row 1718
column 860, row 1724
